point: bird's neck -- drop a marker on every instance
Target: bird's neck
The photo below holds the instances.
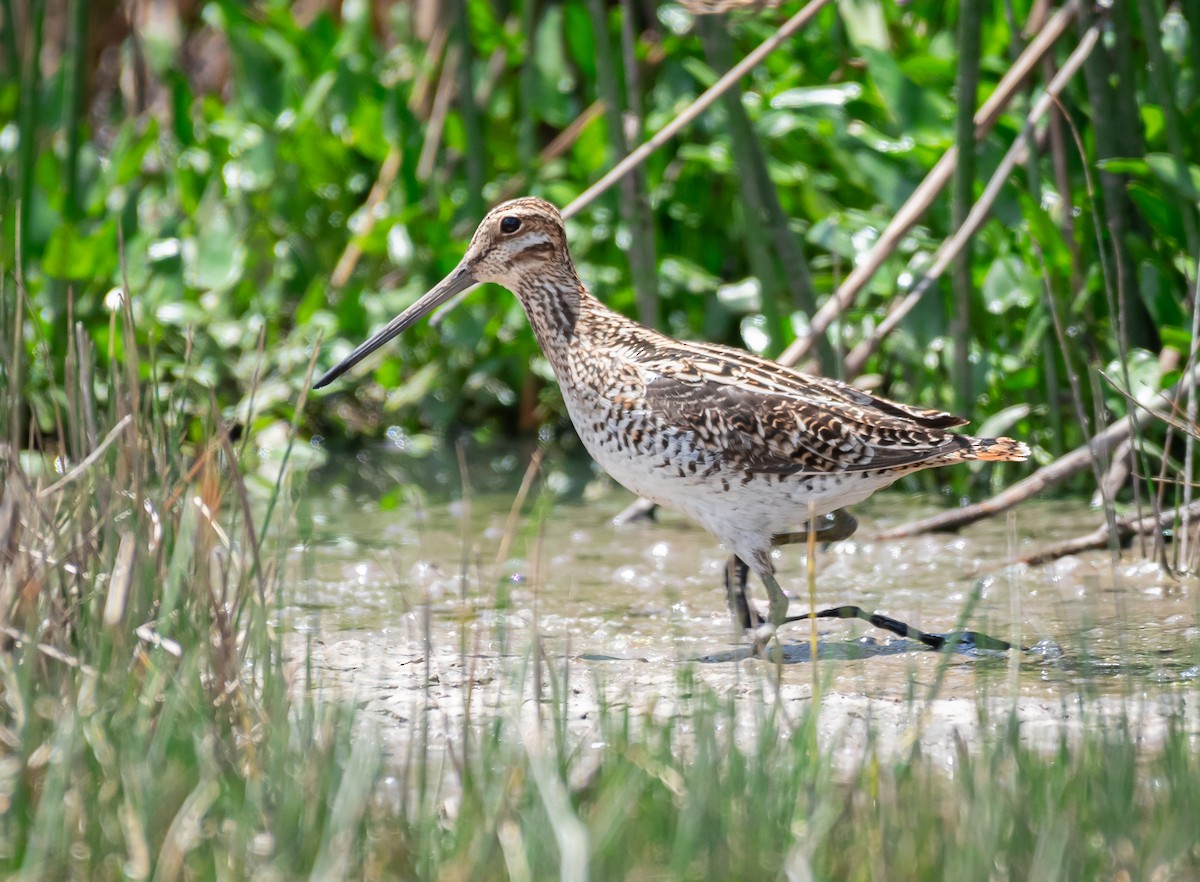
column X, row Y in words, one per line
column 556, row 302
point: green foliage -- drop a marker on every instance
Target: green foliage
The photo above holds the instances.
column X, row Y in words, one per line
column 237, row 196
column 157, row 726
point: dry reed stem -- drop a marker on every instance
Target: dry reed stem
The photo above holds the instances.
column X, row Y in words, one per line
column 697, row 107
column 951, row 247
column 510, row 524
column 353, row 250
column 925, row 194
column 243, row 496
column 91, row 459
column 1189, row 450
column 437, row 117
column 1108, row 274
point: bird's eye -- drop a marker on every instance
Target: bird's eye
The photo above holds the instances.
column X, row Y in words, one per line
column 510, row 224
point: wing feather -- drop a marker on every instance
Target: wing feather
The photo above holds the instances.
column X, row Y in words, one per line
column 769, row 419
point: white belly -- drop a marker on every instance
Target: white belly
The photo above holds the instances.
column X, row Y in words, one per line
column 664, row 465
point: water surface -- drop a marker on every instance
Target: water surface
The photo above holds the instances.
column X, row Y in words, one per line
column 399, row 592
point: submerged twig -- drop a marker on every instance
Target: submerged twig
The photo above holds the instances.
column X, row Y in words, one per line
column 1121, row 530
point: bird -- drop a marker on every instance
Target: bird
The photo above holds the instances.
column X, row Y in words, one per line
column 756, row 453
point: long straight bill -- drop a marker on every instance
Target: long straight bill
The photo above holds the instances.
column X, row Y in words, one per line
column 459, row 280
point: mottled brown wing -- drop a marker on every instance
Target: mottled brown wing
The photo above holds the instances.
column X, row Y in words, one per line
column 807, row 385
column 765, row 428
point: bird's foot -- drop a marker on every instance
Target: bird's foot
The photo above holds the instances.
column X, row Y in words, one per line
column 760, row 638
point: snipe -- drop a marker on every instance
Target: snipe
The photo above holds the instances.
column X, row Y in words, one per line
column 747, row 448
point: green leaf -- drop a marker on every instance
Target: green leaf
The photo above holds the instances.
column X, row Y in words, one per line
column 554, row 80
column 1008, row 285
column 1159, row 295
column 581, row 41
column 74, row 254
column 916, row 111
column 1122, row 166
column 1182, row 178
column 1161, row 214
column 213, row 258
column 865, row 23
column 999, row 423
column 1144, row 373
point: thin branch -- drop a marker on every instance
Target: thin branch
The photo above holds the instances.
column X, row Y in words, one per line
column 979, row 212
column 1123, row 529
column 925, row 194
column 697, row 107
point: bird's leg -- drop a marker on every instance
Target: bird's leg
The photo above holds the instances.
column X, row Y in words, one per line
column 962, row 640
column 736, row 575
column 761, row 634
column 776, row 611
column 832, row 528
column 841, row 525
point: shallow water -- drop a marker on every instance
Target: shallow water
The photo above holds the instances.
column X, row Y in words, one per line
column 399, row 593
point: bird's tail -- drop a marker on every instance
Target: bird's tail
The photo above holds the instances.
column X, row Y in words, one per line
column 996, row 450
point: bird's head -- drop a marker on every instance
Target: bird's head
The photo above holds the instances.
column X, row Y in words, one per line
column 517, row 240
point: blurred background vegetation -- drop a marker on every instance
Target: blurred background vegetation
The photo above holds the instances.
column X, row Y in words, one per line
column 258, row 177
column 262, row 175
